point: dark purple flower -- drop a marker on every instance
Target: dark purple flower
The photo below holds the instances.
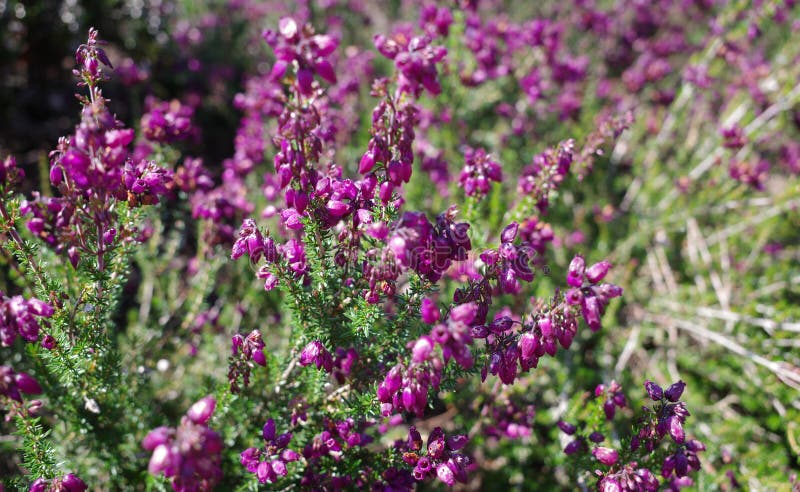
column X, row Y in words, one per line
column 316, row 353
column 674, row 392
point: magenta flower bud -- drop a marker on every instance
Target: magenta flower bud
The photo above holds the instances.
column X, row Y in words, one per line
column 73, row 483
column 446, row 475
column 566, row 428
column 367, row 162
column 161, row 460
column 312, row 353
column 385, row 192
column 283, row 439
column 575, row 271
column 268, row 432
column 574, row 297
column 157, row 437
column 300, row 201
column 528, row 343
column 597, row 437
column 27, row 384
column 509, row 233
column 278, row 70
column 337, row 208
column 259, row 358
column 573, row 447
column 325, row 44
column 695, row 445
column 609, row 291
column 464, row 313
column 325, row 70
column 305, row 79
column 457, row 442
column 681, row 465
column 73, row 256
column 606, row 456
column 201, row 411
column 38, row 485
column 598, row 271
column 610, row 409
column 109, row 235
column 654, row 391
column 279, row 467
column 383, row 393
column 591, row 312
column 40, row 308
column 393, row 380
column 408, row 398
column 34, row 406
column 610, row 485
column 546, row 325
column 676, row 429
column 422, row 349
column 288, row 28
column 599, row 389
column 290, row 455
column 429, row 311
column 264, row 472
column 674, row 392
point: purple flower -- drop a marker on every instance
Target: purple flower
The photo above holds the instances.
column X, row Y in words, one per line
column 201, row 411
column 654, row 391
column 674, row 392
column 18, row 317
column 167, row 122
column 13, row 384
column 67, row 483
column 415, row 59
column 606, row 456
column 316, row 353
column 190, row 455
column 479, row 170
column 269, row 463
column 429, row 311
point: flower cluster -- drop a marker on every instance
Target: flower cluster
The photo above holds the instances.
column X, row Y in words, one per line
column 10, row 174
column 587, row 292
column 515, row 344
column 67, row 483
column 189, row 455
column 18, row 316
column 92, row 169
column 406, row 386
column 613, row 398
column 510, row 420
column 415, row 58
column 167, row 121
column 479, row 169
column 269, row 463
column 510, row 262
column 13, row 384
column 244, row 352
column 298, row 45
column 316, row 353
column 631, row 468
column 440, row 458
column 337, row 438
column 546, row 173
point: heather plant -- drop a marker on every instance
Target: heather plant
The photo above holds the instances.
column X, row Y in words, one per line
column 430, row 228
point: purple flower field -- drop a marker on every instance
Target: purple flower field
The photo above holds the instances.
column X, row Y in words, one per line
column 407, row 245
